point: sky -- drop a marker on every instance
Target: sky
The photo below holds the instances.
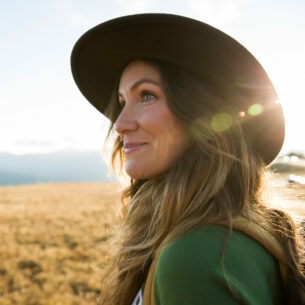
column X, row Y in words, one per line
column 41, row 109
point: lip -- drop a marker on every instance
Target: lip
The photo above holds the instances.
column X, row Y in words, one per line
column 130, row 147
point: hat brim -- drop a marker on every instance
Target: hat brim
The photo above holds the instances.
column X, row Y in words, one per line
column 100, row 55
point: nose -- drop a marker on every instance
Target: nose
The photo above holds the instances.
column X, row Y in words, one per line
column 126, row 121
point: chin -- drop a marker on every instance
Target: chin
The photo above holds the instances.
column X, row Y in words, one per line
column 137, row 176
column 139, row 173
column 144, row 176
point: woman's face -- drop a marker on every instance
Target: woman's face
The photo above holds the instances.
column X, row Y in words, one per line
column 154, row 138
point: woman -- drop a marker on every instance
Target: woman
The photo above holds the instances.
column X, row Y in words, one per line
column 197, row 122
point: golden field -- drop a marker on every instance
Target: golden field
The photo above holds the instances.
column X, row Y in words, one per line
column 55, row 239
column 55, row 242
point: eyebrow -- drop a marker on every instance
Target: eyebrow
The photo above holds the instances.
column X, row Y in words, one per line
column 141, row 81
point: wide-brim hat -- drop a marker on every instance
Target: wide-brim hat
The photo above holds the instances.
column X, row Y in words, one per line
column 101, row 54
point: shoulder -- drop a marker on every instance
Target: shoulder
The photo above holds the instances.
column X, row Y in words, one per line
column 197, row 246
column 208, row 263
column 210, row 244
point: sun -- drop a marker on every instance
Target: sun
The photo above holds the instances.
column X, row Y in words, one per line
column 288, row 84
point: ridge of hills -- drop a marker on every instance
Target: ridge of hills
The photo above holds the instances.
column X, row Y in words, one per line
column 86, row 166
column 60, row 166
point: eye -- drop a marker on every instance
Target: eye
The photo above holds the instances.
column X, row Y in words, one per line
column 147, row 96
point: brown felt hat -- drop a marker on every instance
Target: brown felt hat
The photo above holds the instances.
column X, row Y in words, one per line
column 101, row 54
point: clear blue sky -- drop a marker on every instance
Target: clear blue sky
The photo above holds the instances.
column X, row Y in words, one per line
column 41, row 108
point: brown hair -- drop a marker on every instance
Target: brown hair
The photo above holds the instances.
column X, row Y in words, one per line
column 218, row 177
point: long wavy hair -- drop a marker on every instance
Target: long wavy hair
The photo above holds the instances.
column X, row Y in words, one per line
column 218, row 177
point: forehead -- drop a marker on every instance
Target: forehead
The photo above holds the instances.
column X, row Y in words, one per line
column 139, row 69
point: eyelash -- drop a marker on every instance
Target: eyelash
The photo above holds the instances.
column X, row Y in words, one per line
column 143, row 94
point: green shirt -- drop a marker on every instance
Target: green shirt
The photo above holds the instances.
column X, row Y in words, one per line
column 191, row 271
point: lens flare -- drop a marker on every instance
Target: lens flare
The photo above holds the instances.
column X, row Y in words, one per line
column 255, row 109
column 221, row 121
column 241, row 114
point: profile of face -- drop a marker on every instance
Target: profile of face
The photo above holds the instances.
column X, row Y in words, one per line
column 153, row 137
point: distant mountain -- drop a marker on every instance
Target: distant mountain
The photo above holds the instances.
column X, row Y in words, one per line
column 62, row 166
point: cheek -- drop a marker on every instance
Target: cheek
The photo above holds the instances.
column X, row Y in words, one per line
column 173, row 144
column 168, row 139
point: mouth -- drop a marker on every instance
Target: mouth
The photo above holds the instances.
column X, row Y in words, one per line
column 131, row 147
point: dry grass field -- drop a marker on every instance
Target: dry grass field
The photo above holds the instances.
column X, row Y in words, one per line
column 55, row 239
column 54, row 242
